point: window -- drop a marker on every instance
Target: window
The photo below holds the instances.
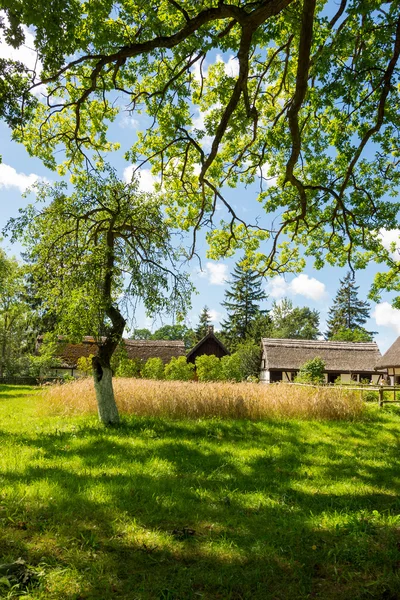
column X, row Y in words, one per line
column 353, row 377
column 333, row 376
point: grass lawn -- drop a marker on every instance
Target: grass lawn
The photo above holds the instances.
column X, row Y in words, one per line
column 213, row 509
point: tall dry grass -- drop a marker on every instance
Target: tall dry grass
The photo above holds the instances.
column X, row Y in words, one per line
column 177, row 399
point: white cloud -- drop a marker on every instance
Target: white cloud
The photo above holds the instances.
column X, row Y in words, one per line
column 215, row 316
column 128, row 122
column 387, row 316
column 302, row 285
column 25, row 54
column 146, row 178
column 388, row 238
column 216, row 273
column 231, row 66
column 10, row 178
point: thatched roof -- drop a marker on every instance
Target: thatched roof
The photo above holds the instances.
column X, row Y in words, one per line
column 339, row 357
column 143, row 349
column 391, row 358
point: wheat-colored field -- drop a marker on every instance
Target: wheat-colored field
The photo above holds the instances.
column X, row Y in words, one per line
column 177, row 399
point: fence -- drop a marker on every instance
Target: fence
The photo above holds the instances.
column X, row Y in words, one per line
column 362, row 388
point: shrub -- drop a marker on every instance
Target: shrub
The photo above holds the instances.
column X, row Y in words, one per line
column 84, row 364
column 129, row 367
column 231, row 367
column 312, row 371
column 179, row 369
column 153, row 369
column 208, row 368
column 249, row 355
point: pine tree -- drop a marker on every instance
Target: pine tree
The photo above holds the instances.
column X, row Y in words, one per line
column 348, row 314
column 204, row 323
column 242, row 304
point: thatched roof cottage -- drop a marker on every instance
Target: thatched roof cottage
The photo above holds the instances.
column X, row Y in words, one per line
column 390, row 362
column 143, row 349
column 351, row 361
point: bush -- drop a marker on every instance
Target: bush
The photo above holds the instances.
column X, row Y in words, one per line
column 84, row 364
column 153, row 369
column 208, row 368
column 178, row 369
column 249, row 355
column 231, row 367
column 313, row 371
column 129, row 367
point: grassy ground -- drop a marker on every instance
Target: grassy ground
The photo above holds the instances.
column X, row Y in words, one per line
column 212, row 509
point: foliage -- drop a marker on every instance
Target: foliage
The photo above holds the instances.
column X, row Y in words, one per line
column 313, row 371
column 359, row 334
column 231, row 367
column 348, row 314
column 84, row 364
column 250, row 359
column 141, row 334
column 116, row 247
column 203, row 325
column 175, row 332
column 46, row 357
column 129, row 367
column 309, row 111
column 16, row 335
column 294, row 322
column 242, row 304
column 153, row 369
column 208, row 368
column 179, row 369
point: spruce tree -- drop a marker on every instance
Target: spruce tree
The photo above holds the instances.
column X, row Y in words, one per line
column 242, row 304
column 348, row 314
column 204, row 323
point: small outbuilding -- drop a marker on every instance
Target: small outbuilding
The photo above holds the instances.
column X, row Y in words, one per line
column 209, row 344
column 350, row 361
column 390, row 363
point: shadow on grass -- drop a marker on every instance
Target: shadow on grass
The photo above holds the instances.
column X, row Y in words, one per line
column 211, row 509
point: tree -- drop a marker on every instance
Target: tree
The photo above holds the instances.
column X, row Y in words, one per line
column 15, row 318
column 307, row 101
column 242, row 304
column 294, row 322
column 93, row 250
column 175, row 332
column 203, row 325
column 141, row 334
column 348, row 314
column 313, row 371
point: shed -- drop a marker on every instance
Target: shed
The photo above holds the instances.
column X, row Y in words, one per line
column 390, row 362
column 351, row 361
column 209, row 344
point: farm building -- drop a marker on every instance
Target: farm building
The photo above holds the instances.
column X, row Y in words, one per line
column 143, row 349
column 390, row 363
column 282, row 358
column 209, row 344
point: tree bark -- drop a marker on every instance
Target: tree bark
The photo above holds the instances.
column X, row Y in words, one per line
column 102, row 376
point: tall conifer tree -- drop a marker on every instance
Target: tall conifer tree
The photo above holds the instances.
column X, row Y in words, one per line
column 204, row 323
column 242, row 304
column 348, row 314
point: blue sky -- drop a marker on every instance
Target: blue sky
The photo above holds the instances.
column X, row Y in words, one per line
column 312, row 288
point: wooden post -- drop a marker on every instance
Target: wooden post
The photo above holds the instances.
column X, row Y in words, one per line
column 381, row 396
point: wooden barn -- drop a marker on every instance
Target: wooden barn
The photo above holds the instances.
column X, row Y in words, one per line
column 69, row 354
column 209, row 344
column 390, row 363
column 282, row 358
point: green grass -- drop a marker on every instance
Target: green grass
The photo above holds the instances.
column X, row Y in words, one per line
column 290, row 509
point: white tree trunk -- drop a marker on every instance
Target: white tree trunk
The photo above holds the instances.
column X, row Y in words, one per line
column 108, row 411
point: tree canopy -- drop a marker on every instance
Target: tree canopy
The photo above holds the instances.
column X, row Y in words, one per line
column 294, row 322
column 306, row 104
column 348, row 314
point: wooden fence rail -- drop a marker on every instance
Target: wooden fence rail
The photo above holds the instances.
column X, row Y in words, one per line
column 367, row 387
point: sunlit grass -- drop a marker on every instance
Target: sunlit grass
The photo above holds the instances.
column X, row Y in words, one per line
column 212, row 508
column 176, row 399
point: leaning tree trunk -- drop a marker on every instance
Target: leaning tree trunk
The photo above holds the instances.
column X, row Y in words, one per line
column 102, row 375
